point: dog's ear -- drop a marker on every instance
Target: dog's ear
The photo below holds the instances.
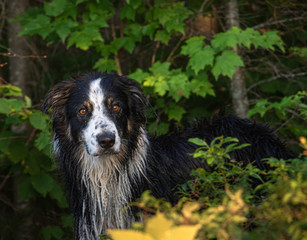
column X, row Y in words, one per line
column 136, row 100
column 57, row 97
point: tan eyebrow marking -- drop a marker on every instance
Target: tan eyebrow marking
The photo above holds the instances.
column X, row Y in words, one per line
column 88, row 105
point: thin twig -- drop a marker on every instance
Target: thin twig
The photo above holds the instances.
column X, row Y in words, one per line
column 294, row 113
column 175, row 48
column 7, row 202
column 291, row 75
column 202, row 6
column 153, row 59
column 12, row 137
column 4, row 181
column 31, row 136
column 272, row 22
column 11, row 53
column 283, row 124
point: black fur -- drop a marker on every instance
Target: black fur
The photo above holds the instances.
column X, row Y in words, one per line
column 150, row 163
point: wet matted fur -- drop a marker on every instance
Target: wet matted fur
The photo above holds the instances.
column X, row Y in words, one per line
column 108, row 158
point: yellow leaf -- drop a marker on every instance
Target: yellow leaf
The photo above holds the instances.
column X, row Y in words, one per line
column 158, row 225
column 129, row 235
column 302, row 140
column 181, row 233
column 188, row 209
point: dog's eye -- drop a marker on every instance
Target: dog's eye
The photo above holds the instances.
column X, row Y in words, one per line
column 83, row 111
column 115, row 108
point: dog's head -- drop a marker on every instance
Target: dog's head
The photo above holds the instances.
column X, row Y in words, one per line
column 96, row 110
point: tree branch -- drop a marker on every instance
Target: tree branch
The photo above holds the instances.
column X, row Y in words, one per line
column 291, row 75
column 175, row 48
column 273, row 22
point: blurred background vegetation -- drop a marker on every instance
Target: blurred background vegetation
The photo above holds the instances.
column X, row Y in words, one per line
column 193, row 59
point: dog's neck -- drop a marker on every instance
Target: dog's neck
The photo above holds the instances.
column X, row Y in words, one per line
column 108, row 182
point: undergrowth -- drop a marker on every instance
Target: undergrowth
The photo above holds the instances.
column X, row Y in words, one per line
column 226, row 203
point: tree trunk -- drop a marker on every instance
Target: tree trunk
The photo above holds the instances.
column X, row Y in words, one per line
column 18, row 76
column 17, row 45
column 238, row 88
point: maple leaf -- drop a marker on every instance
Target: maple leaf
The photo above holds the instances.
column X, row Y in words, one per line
column 226, row 64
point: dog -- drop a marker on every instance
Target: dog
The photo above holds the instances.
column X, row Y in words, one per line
column 109, row 160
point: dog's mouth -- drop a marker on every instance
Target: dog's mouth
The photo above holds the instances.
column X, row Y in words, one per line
column 99, row 151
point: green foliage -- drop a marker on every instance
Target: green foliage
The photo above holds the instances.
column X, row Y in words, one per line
column 82, row 23
column 26, row 155
column 289, row 102
column 185, row 73
column 221, row 206
column 227, row 173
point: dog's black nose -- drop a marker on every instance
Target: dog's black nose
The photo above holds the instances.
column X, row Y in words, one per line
column 106, row 140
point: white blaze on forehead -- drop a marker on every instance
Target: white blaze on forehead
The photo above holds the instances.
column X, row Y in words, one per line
column 99, row 122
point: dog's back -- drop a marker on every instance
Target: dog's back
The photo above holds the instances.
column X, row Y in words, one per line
column 170, row 162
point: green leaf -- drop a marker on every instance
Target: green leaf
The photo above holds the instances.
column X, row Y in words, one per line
column 159, row 68
column 105, row 64
column 161, row 86
column 201, row 86
column 38, row 120
column 134, row 31
column 64, row 28
column 193, row 45
column 85, row 38
column 58, row 194
column 162, row 36
column 134, row 3
column 226, row 64
column 178, row 87
column 149, row 29
column 25, row 189
column 15, row 104
column 33, row 162
column 128, row 44
column 43, row 140
column 80, row 1
column 5, row 141
column 261, row 107
column 175, row 112
column 171, row 16
column 273, row 39
column 127, row 12
column 139, row 75
column 197, row 141
column 18, row 151
column 67, row 220
column 14, row 119
column 201, row 59
column 42, row 183
column 4, row 108
column 52, row 232
column 28, row 102
column 39, row 25
column 162, row 128
column 10, row 90
column 226, row 39
column 55, row 7
column 246, row 36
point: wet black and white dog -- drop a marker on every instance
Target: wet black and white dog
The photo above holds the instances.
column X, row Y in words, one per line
column 108, row 158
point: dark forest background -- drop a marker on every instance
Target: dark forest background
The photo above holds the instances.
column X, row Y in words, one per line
column 193, row 59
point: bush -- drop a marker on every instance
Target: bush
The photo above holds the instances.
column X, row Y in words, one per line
column 223, row 204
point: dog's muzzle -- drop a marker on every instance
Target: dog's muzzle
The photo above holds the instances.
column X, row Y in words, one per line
column 106, row 140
